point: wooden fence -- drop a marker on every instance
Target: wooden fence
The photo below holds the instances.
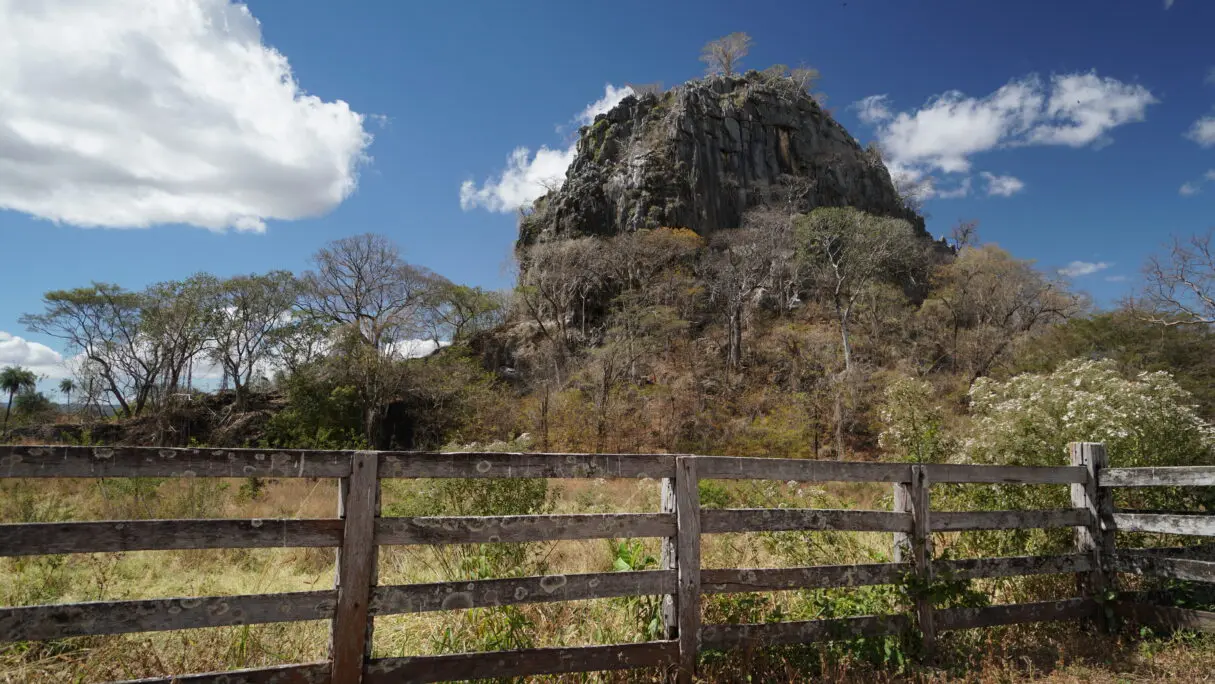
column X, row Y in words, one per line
column 359, row 530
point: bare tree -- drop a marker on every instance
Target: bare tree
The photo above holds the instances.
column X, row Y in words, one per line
column 723, row 55
column 845, row 250
column 737, row 267
column 376, row 300
column 1181, row 287
column 986, row 302
column 362, row 282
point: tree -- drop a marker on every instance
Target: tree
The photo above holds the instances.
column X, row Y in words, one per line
column 724, row 54
column 460, row 311
column 67, row 386
column 985, row 302
column 250, row 320
column 14, row 379
column 736, row 268
column 102, row 322
column 1181, row 287
column 176, row 321
column 376, row 300
column 844, row 250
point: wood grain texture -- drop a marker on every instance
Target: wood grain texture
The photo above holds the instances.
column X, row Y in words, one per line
column 798, row 470
column 1166, row 617
column 38, row 623
column 667, row 560
column 687, row 516
column 1191, row 525
column 954, row 521
column 991, row 474
column 1092, row 538
column 921, row 547
column 717, row 521
column 76, row 461
column 521, row 528
column 27, row 539
column 1014, row 566
column 421, row 598
column 1176, row 476
column 523, row 465
column 736, row 580
column 1188, row 569
column 521, row 663
column 747, row 636
column 311, row 673
column 355, row 571
column 1015, row 613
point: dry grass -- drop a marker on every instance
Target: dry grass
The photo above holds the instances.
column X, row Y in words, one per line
column 1052, row 653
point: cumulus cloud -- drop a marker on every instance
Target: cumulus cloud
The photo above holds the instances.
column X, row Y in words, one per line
column 39, row 358
column 115, row 115
column 1073, row 110
column 1189, row 188
column 527, row 176
column 1082, row 268
column 1203, row 131
column 1002, row 186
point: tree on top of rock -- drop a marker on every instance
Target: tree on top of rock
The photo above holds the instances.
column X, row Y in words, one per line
column 723, row 55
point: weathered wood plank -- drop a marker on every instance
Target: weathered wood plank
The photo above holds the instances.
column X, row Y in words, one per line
column 954, row 521
column 746, row 636
column 1175, row 476
column 799, row 470
column 1166, row 617
column 993, row 474
column 1015, row 613
column 421, row 598
column 119, row 461
column 737, row 580
column 356, row 569
column 1014, row 566
column 522, row 528
column 311, row 673
column 921, row 543
column 1093, row 538
column 1190, row 525
column 521, row 663
column 667, row 560
column 470, row 464
column 38, row 623
column 687, row 554
column 1194, row 551
column 717, row 521
column 27, row 539
column 1157, row 566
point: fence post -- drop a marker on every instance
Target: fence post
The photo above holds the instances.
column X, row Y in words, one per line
column 687, row 555
column 350, row 634
column 1096, row 538
column 913, row 497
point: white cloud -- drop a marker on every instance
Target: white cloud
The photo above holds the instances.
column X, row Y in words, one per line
column 873, row 109
column 116, row 114
column 1203, row 131
column 529, row 176
column 1082, row 268
column 1189, row 188
column 962, row 190
column 39, row 358
column 1002, row 186
column 1168, row 4
column 1074, row 110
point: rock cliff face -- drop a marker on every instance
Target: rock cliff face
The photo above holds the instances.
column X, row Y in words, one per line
column 701, row 154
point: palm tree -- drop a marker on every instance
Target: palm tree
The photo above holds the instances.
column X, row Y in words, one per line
column 14, row 379
column 67, row 387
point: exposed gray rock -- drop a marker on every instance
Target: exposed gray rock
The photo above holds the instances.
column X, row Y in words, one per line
column 701, row 154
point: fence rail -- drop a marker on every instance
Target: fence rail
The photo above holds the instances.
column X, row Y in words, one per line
column 359, row 530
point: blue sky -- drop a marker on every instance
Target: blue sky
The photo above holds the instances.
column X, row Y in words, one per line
column 439, row 94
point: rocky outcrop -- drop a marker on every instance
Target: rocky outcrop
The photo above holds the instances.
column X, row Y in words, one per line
column 701, row 154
